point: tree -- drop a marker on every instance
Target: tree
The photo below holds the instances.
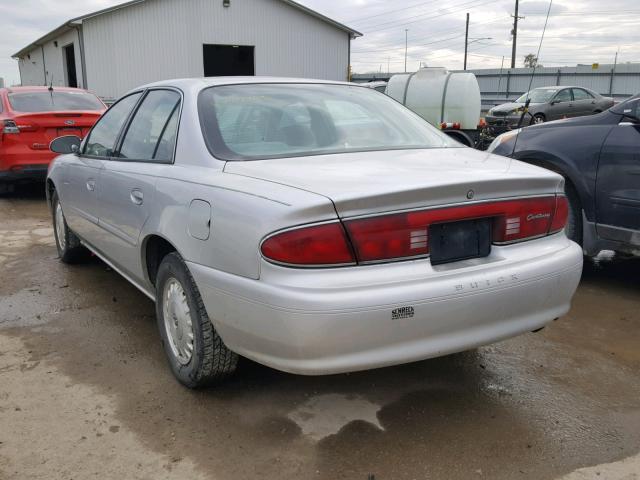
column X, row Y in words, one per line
column 531, row 61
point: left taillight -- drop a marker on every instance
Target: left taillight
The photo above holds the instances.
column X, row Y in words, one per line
column 10, row 127
column 316, row 245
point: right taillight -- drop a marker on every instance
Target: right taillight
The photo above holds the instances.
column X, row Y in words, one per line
column 561, row 214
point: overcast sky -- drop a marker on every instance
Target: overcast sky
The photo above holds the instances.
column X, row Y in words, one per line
column 584, row 31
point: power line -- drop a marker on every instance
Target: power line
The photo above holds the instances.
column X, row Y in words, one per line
column 412, row 46
column 391, row 11
column 416, row 19
column 391, row 46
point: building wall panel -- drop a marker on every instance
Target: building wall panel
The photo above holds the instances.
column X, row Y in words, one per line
column 161, row 39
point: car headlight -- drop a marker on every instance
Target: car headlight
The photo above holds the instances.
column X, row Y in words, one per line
column 500, row 139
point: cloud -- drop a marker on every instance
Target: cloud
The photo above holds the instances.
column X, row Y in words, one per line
column 578, row 32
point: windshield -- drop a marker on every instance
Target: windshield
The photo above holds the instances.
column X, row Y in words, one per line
column 54, row 101
column 539, row 95
column 627, row 107
column 260, row 121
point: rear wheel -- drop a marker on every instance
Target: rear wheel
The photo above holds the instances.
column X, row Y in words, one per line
column 70, row 250
column 574, row 220
column 195, row 351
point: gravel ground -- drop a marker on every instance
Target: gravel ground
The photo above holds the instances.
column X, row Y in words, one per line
column 85, row 391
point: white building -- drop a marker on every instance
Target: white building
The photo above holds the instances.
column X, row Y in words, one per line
column 141, row 41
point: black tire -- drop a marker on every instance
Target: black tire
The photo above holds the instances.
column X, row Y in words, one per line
column 210, row 361
column 574, row 221
column 71, row 250
column 537, row 118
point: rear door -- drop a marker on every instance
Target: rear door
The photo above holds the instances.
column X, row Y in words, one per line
column 583, row 102
column 127, row 183
column 82, row 172
column 618, row 182
column 561, row 106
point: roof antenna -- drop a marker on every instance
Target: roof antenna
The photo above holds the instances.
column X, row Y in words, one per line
column 51, row 84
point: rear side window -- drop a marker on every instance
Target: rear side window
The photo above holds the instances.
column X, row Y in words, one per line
column 54, row 101
column 103, row 136
column 579, row 94
column 152, row 132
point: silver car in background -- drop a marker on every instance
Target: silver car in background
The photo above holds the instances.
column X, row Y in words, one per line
column 314, row 227
column 547, row 104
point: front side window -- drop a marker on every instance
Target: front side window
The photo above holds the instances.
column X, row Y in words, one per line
column 580, row 94
column 539, row 95
column 563, row 96
column 103, row 136
column 152, row 132
column 54, row 101
column 263, row 121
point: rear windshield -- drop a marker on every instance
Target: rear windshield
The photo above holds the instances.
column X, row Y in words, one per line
column 54, row 101
column 262, row 121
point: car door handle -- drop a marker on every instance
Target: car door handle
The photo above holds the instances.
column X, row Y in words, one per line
column 137, row 196
column 91, row 184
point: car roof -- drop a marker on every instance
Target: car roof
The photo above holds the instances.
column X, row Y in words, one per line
column 205, row 82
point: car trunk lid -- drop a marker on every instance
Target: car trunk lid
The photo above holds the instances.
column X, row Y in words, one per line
column 39, row 129
column 366, row 183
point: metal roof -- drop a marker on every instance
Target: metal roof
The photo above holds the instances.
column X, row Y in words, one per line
column 74, row 22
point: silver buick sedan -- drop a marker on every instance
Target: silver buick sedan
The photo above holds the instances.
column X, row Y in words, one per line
column 314, row 227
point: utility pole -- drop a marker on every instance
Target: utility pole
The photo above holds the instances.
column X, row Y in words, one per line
column 515, row 36
column 466, row 42
column 613, row 72
column 406, row 36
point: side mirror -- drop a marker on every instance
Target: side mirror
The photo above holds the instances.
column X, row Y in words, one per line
column 66, row 144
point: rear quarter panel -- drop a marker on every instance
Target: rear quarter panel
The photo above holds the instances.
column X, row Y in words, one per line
column 572, row 151
column 243, row 211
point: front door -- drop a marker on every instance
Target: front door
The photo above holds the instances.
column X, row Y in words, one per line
column 618, row 183
column 561, row 106
column 83, row 173
column 127, row 183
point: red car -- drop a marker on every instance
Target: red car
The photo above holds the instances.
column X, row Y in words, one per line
column 30, row 118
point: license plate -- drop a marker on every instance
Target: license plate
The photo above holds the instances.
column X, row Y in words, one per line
column 450, row 242
column 69, row 131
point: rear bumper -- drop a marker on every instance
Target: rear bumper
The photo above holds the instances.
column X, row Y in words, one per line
column 27, row 173
column 338, row 320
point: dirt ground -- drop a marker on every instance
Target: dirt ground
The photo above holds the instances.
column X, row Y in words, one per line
column 85, row 391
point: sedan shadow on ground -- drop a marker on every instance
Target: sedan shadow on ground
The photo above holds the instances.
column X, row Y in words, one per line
column 25, row 191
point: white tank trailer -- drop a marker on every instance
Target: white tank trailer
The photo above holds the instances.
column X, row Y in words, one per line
column 447, row 100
